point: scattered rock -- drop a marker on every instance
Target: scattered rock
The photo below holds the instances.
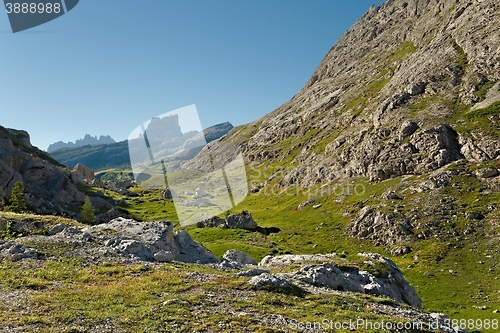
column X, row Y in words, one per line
column 255, row 189
column 416, row 89
column 390, row 195
column 211, row 222
column 168, row 193
column 473, row 216
column 317, row 206
column 252, row 272
column 3, row 224
column 56, row 229
column 399, row 251
column 266, row 280
column 304, row 204
column 487, row 173
column 14, row 252
column 407, row 128
column 124, row 184
column 234, row 259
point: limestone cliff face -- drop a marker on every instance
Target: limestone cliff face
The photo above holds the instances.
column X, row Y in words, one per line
column 392, row 97
column 49, row 188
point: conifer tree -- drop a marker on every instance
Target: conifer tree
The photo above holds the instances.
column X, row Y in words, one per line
column 17, row 202
column 88, row 215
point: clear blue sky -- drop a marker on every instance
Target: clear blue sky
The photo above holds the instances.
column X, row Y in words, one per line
column 109, row 65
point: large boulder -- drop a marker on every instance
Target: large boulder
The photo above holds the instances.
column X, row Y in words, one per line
column 241, row 221
column 82, row 173
column 321, row 271
column 127, row 239
column 239, row 257
column 144, row 241
column 211, row 222
column 234, row 259
column 266, row 280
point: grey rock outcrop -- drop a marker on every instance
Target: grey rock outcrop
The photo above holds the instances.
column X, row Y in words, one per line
column 145, row 240
column 49, row 189
column 14, row 252
column 211, row 222
column 243, row 220
column 319, row 271
column 269, row 280
column 487, row 173
column 381, row 228
column 56, row 229
column 127, row 239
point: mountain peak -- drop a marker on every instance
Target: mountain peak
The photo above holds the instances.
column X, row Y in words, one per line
column 87, row 140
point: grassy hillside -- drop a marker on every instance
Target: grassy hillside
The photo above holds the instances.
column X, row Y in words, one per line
column 462, row 264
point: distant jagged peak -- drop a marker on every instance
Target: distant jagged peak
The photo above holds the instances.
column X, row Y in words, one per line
column 87, row 140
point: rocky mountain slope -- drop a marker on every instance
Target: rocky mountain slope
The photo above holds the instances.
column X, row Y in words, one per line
column 49, row 188
column 394, row 142
column 396, row 95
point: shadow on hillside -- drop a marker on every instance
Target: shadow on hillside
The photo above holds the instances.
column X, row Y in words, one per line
column 267, row 231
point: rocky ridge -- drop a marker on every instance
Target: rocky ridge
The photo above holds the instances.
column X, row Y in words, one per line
column 87, row 140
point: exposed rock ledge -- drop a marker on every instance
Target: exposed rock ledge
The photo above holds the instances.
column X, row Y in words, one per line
column 121, row 238
column 320, row 271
